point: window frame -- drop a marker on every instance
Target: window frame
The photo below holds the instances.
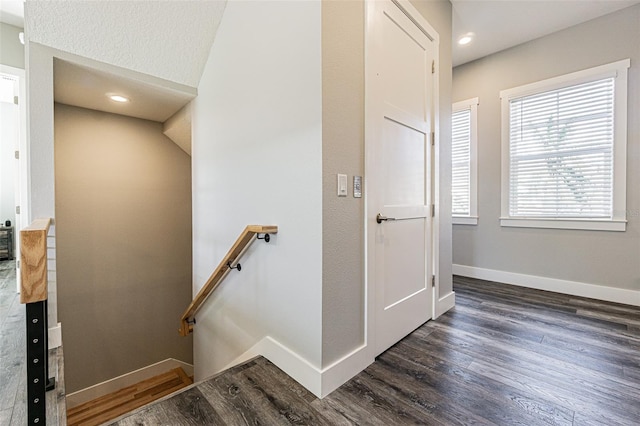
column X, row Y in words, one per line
column 472, row 217
column 619, row 71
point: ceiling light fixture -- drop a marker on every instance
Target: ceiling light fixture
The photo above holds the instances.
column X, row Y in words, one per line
column 118, row 98
column 466, row 39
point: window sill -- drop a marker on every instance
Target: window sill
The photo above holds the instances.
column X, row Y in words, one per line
column 553, row 223
column 464, row 220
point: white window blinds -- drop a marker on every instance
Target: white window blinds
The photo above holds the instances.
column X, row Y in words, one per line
column 461, row 163
column 561, row 152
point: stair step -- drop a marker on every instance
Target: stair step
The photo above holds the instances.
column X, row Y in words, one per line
column 120, row 402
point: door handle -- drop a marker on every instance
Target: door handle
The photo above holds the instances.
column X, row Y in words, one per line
column 380, row 218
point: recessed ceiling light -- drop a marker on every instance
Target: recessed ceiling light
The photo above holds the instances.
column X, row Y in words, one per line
column 466, row 39
column 118, row 98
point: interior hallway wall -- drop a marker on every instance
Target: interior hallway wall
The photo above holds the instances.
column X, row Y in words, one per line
column 123, row 215
column 257, row 159
column 11, row 50
column 343, row 285
column 593, row 257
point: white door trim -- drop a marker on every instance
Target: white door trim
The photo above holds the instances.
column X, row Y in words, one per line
column 369, row 209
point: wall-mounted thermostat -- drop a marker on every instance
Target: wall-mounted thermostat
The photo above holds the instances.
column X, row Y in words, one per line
column 357, row 187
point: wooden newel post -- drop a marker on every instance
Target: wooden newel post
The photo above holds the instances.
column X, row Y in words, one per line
column 33, row 261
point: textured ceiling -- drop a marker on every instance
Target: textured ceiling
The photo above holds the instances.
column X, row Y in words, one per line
column 166, row 39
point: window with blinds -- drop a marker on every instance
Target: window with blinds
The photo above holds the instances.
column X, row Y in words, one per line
column 561, row 145
column 463, row 162
column 564, row 140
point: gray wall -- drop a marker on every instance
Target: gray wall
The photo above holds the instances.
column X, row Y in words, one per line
column 123, row 218
column 343, row 29
column 342, row 152
column 596, row 257
column 11, row 50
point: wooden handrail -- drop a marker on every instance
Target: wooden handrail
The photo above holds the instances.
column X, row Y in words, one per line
column 33, row 261
column 243, row 241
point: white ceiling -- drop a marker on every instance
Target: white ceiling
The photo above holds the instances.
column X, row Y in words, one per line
column 12, row 12
column 87, row 87
column 500, row 24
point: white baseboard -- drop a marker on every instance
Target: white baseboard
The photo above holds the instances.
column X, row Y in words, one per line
column 336, row 374
column 96, row 391
column 444, row 304
column 301, row 370
column 573, row 288
column 54, row 336
column 320, row 382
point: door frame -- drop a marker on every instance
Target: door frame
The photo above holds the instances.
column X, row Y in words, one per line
column 370, row 209
column 21, row 175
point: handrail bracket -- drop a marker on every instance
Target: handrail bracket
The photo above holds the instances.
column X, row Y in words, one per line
column 266, row 238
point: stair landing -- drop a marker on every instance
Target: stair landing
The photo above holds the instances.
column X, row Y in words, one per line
column 115, row 404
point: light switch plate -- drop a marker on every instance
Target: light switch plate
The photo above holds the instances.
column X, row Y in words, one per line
column 342, row 185
column 357, row 187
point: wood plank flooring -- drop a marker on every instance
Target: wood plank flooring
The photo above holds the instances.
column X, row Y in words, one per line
column 504, row 355
column 108, row 407
column 12, row 349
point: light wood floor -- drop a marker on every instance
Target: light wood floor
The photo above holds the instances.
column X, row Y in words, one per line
column 503, row 356
column 108, row 407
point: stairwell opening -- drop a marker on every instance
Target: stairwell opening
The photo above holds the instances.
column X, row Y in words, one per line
column 122, row 225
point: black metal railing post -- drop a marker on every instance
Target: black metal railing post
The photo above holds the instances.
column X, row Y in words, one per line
column 38, row 381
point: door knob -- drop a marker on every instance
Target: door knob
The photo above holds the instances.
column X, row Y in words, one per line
column 380, row 218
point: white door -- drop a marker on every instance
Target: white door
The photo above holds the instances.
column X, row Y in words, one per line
column 399, row 117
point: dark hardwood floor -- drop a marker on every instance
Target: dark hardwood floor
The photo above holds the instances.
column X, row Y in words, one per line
column 504, row 355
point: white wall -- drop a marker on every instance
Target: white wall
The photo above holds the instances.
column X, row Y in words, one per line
column 560, row 259
column 257, row 159
column 39, row 153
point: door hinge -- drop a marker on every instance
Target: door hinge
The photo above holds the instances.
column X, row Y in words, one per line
column 433, row 66
column 15, row 100
column 433, row 138
column 17, row 154
column 18, row 264
column 433, row 280
column 17, row 209
column 433, row 210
